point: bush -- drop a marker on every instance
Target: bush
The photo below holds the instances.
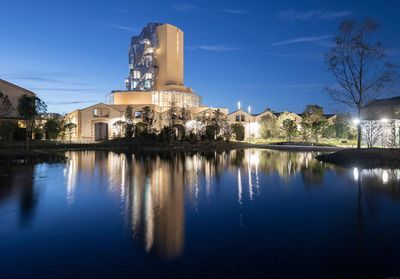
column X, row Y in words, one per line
column 38, row 134
column 192, row 138
column 166, row 134
column 8, row 129
column 211, row 131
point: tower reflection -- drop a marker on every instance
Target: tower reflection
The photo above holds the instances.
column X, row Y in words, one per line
column 155, row 188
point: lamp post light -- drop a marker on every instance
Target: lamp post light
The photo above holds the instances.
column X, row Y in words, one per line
column 249, row 109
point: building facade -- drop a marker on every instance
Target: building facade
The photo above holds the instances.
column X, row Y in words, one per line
column 13, row 93
column 155, row 80
column 380, row 123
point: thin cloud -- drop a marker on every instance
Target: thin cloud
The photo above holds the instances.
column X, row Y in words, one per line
column 62, row 89
column 215, row 47
column 234, row 12
column 183, row 7
column 69, row 102
column 122, row 27
column 47, row 77
column 318, row 39
column 312, row 15
column 295, row 87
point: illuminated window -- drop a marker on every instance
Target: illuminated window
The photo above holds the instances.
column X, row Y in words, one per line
column 149, row 76
column 136, row 74
column 97, row 112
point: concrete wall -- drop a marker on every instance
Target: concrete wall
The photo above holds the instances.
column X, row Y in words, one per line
column 169, row 55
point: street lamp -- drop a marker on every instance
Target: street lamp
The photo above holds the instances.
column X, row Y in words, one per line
column 249, row 109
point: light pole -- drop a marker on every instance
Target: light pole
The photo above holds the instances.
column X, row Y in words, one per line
column 249, row 109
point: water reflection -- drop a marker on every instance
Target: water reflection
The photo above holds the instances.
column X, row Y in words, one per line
column 155, row 189
column 19, row 183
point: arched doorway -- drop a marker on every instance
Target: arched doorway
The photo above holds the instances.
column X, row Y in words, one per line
column 100, row 131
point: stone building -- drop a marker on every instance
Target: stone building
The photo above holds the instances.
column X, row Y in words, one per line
column 155, row 80
column 14, row 93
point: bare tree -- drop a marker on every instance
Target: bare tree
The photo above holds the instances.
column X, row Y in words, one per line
column 5, row 105
column 394, row 134
column 373, row 130
column 358, row 63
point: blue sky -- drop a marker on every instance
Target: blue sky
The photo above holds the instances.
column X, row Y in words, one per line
column 263, row 53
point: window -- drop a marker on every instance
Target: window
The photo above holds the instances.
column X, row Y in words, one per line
column 98, row 112
column 149, row 76
column 240, row 118
column 147, row 84
column 136, row 74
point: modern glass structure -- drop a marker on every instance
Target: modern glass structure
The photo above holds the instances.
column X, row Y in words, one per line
column 156, row 70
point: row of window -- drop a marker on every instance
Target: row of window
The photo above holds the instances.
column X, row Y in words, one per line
column 138, row 75
column 102, row 112
column 240, row 118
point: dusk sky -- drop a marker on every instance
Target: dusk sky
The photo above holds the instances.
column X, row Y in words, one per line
column 263, row 53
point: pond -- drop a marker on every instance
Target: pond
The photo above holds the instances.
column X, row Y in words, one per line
column 248, row 213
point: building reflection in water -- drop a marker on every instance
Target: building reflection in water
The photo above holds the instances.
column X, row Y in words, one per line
column 153, row 189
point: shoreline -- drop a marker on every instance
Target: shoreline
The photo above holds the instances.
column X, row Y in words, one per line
column 367, row 158
column 52, row 152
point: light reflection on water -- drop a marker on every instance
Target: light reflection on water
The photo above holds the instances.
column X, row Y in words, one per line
column 157, row 192
column 153, row 188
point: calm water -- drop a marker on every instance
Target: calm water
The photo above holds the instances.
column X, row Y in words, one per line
column 249, row 213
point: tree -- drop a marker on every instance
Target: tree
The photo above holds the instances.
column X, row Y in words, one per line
column 69, row 129
column 372, row 131
column 313, row 122
column 120, row 127
column 148, row 118
column 5, row 105
column 268, row 127
column 289, row 128
column 196, row 126
column 185, row 115
column 393, row 139
column 129, row 126
column 226, row 131
column 218, row 119
column 210, row 132
column 357, row 61
column 238, row 130
column 173, row 115
column 53, row 127
column 342, row 126
column 30, row 107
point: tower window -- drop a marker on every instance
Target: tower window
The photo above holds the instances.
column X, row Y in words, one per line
column 136, row 74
